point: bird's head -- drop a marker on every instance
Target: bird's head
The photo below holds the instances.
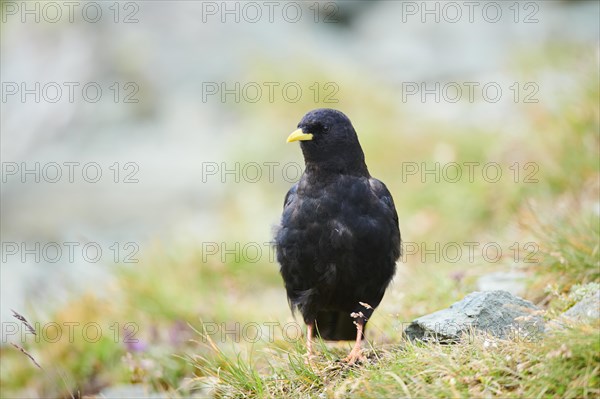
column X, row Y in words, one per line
column 328, row 140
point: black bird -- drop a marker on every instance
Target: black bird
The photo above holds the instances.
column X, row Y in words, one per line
column 338, row 240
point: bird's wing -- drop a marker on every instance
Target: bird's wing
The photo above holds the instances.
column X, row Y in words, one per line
column 385, row 198
column 381, row 192
column 290, row 196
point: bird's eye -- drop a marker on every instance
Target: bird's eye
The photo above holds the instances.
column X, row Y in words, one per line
column 325, row 129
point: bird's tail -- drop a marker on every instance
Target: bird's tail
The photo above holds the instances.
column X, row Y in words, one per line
column 336, row 326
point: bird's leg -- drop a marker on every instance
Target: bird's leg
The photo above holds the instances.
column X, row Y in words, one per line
column 356, row 352
column 310, row 328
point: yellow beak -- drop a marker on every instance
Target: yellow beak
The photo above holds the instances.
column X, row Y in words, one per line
column 299, row 135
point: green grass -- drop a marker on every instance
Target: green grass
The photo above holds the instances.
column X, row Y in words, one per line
column 563, row 364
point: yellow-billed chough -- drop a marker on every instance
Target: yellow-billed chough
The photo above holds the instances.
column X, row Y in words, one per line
column 338, row 240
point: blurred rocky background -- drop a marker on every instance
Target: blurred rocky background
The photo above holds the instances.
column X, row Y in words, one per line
column 184, row 108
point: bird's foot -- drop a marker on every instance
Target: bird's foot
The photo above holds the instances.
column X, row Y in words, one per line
column 355, row 356
column 309, row 358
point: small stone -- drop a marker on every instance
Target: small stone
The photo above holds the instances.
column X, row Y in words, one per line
column 586, row 309
column 511, row 281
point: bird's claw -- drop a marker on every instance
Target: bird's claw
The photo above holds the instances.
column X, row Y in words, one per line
column 355, row 357
column 309, row 358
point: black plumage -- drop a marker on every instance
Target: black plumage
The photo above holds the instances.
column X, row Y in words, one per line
column 338, row 240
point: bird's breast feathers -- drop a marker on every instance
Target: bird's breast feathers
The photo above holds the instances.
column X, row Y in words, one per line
column 337, row 214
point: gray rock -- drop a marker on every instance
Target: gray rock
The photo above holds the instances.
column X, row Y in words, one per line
column 498, row 313
column 586, row 309
column 511, row 281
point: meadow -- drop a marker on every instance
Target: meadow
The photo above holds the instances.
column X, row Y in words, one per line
column 183, row 322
